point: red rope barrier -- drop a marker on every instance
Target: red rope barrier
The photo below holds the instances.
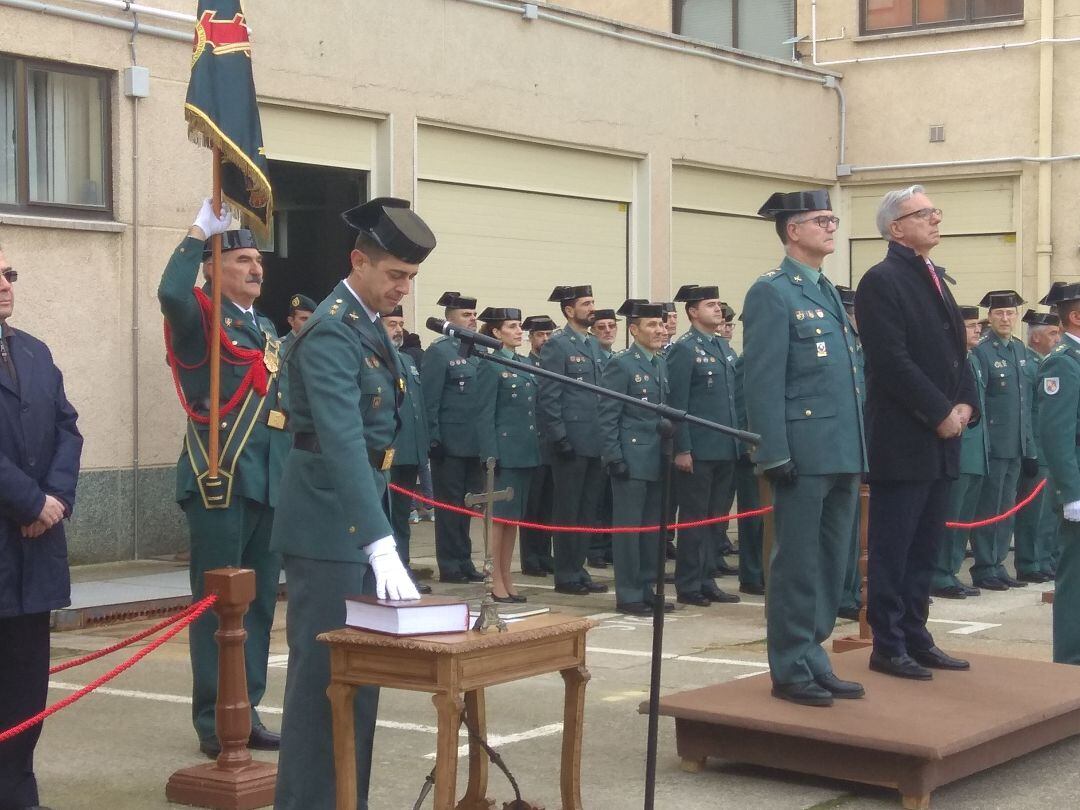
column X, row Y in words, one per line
column 183, row 621
column 978, row 524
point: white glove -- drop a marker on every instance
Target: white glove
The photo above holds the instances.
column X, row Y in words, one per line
column 1072, row 511
column 210, row 224
column 392, row 581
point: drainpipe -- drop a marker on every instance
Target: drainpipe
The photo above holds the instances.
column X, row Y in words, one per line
column 98, row 19
column 1044, row 248
column 135, row 191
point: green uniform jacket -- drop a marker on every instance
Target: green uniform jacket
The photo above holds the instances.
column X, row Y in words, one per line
column 450, row 397
column 1007, row 393
column 1059, row 418
column 629, row 433
column 506, row 421
column 257, row 473
column 411, row 444
column 1031, row 373
column 605, row 356
column 801, row 376
column 566, row 412
column 701, row 374
column 975, row 443
column 344, row 386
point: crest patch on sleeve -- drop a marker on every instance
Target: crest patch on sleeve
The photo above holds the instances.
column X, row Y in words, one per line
column 1051, row 385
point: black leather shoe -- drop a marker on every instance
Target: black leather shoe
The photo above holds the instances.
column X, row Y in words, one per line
column 805, row 694
column 902, row 666
column 597, row 563
column 725, row 570
column 756, row 590
column 847, row 612
column 668, row 606
column 210, row 748
column 474, row 576
column 503, row 600
column 263, row 739
column 1012, row 583
column 950, row 592
column 696, row 599
column 422, row 587
column 517, row 597
column 717, row 595
column 454, row 579
column 595, row 587
column 533, row 572
column 934, row 658
column 846, row 690
column 969, row 591
column 574, row 589
column 991, row 584
column 1033, row 576
column 634, row 609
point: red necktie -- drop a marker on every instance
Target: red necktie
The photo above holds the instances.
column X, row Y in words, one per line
column 934, row 276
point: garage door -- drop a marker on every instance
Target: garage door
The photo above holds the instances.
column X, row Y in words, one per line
column 509, row 248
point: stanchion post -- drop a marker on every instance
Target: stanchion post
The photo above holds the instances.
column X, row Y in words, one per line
column 235, row 781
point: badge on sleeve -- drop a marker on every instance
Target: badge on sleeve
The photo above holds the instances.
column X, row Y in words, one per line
column 1051, row 385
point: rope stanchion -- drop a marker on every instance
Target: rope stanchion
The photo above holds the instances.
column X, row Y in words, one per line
column 978, row 524
column 181, row 622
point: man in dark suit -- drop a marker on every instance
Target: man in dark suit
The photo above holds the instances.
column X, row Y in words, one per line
column 921, row 396
column 40, row 447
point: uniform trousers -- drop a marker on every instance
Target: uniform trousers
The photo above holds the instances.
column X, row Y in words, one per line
column 812, row 520
column 576, row 501
column 24, row 685
column 451, row 478
column 704, row 493
column 964, row 496
column 236, row 537
column 751, row 530
column 907, row 522
column 991, row 543
column 1067, row 594
column 851, row 592
column 535, row 543
column 635, row 503
column 400, row 506
column 1034, row 528
column 600, row 544
column 317, row 592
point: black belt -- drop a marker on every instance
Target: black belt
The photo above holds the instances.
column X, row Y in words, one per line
column 379, row 459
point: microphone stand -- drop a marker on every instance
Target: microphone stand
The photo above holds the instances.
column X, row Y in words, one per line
column 666, row 428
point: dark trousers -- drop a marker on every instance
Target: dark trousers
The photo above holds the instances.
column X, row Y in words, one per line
column 991, row 543
column 706, row 492
column 636, row 503
column 400, row 507
column 24, row 684
column 451, row 479
column 751, row 530
column 600, row 544
column 907, row 525
column 577, row 497
column 536, row 544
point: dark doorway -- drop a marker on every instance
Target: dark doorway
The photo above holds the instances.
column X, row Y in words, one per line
column 311, row 243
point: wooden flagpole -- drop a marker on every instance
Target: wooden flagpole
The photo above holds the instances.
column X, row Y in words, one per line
column 215, row 326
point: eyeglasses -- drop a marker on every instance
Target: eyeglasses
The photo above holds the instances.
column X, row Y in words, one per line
column 922, row 213
column 822, row 222
column 10, row 276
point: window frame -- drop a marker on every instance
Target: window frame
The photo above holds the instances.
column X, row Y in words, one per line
column 23, row 204
column 676, row 22
column 967, row 21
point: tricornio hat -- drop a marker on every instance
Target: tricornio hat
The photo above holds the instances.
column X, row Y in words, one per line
column 394, row 227
column 1057, row 285
column 793, row 202
column 452, row 299
column 231, row 240
column 1033, row 318
column 396, row 312
column 688, row 293
column 729, row 313
column 637, row 308
column 604, row 315
column 564, row 294
column 969, row 313
column 497, row 314
column 669, row 306
column 538, row 323
column 301, row 302
column 624, row 310
column 1062, row 292
column 997, row 299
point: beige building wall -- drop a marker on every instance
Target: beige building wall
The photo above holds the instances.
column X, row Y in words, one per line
column 655, row 14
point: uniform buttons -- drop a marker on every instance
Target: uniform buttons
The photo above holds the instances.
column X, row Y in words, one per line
column 851, row 349
column 809, row 412
column 531, row 427
column 505, row 433
column 817, row 331
column 633, row 441
column 352, row 530
column 954, row 364
column 224, row 425
column 855, row 369
column 513, row 396
column 234, row 343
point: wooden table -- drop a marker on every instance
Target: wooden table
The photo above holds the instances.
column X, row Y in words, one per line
column 456, row 667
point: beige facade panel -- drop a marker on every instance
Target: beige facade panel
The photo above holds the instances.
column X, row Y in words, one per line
column 704, row 189
column 978, row 263
column 469, row 158
column 968, row 205
column 510, row 248
column 301, row 135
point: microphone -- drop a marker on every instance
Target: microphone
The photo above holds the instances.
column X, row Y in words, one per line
column 463, row 334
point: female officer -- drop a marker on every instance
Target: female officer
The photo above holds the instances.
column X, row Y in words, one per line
column 507, row 432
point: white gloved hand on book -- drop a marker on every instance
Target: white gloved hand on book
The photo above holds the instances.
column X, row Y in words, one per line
column 392, row 580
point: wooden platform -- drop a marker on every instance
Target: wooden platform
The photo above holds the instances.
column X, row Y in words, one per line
column 910, row 735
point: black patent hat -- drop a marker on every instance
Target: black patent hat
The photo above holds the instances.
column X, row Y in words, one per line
column 638, row 308
column 794, row 202
column 231, row 240
column 604, row 315
column 969, row 313
column 564, row 294
column 396, row 312
column 498, row 314
column 1057, row 285
column 998, row 299
column 394, row 227
column 452, row 299
column 689, row 293
column 624, row 310
column 538, row 323
column 1062, row 292
column 1033, row 318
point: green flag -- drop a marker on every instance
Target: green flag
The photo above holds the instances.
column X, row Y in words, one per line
column 221, row 109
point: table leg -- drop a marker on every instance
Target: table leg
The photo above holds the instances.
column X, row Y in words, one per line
column 448, row 707
column 574, row 680
column 476, row 793
column 341, row 712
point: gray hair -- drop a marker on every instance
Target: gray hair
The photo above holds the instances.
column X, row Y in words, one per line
column 889, row 208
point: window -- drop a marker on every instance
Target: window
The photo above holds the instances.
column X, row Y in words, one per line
column 880, row 16
column 755, row 26
column 54, row 138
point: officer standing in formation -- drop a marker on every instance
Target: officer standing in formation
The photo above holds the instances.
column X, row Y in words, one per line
column 802, row 397
column 449, row 383
column 536, row 559
column 965, row 491
column 410, row 445
column 606, row 329
column 1002, row 360
column 1035, row 529
column 631, row 453
column 347, row 387
column 300, row 310
column 569, row 423
column 1059, row 425
column 230, row 524
column 702, row 382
